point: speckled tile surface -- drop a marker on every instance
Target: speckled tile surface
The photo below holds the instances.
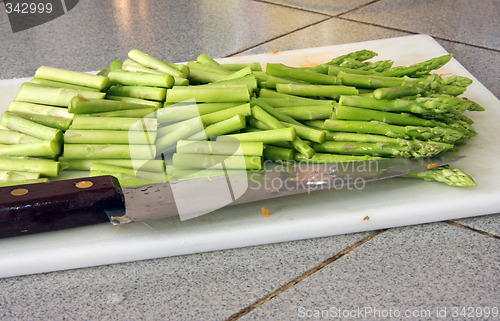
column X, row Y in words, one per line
column 487, row 223
column 450, row 19
column 416, row 269
column 321, row 6
column 207, row 286
column 95, row 33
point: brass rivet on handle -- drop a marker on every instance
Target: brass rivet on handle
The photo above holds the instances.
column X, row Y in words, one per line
column 84, row 184
column 19, row 192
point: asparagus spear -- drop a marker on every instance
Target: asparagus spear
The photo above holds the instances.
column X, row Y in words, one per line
column 307, row 112
column 291, row 100
column 332, row 158
column 45, row 167
column 204, row 59
column 135, row 67
column 375, row 149
column 29, row 127
column 275, row 153
column 221, row 115
column 151, row 177
column 328, row 91
column 72, row 77
column 165, row 142
column 420, row 68
column 438, row 134
column 452, row 177
column 280, row 70
column 255, row 66
column 23, row 182
column 148, row 112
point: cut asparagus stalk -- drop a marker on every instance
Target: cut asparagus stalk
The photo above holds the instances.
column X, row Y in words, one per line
column 291, row 100
column 17, row 176
column 249, row 81
column 57, row 84
column 452, row 177
column 150, row 165
column 216, row 161
column 135, row 67
column 374, row 149
column 314, row 135
column 29, row 108
column 275, row 153
column 370, row 81
column 332, row 158
column 153, row 63
column 124, row 179
column 224, row 114
column 23, row 182
column 266, row 136
column 273, row 111
column 122, row 77
column 206, row 68
column 89, row 136
column 116, row 65
column 165, row 142
column 31, row 128
column 149, row 103
column 33, row 93
column 109, row 151
column 208, row 94
column 141, row 92
column 201, row 76
column 49, row 121
column 273, row 123
column 40, row 149
column 114, row 123
column 328, row 91
column 220, row 148
column 182, row 111
column 238, row 66
column 45, row 167
column 149, row 112
column 81, row 105
column 280, row 70
column 13, row 137
column 140, row 174
column 307, row 112
column 227, row 126
column 72, row 77
column 238, row 74
column 209, row 61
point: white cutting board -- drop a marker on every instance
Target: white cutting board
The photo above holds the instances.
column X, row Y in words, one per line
column 388, row 203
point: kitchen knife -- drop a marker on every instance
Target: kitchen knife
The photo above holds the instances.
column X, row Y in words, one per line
column 44, row 207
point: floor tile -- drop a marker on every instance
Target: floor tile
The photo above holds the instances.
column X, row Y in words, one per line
column 323, row 6
column 161, row 28
column 488, row 223
column 457, row 20
column 478, row 62
column 331, row 32
column 415, row 269
column 206, row 286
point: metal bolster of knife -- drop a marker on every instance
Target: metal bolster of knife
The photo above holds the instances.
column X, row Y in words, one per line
column 42, row 207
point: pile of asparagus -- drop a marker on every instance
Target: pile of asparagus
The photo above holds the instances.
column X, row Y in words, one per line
column 144, row 120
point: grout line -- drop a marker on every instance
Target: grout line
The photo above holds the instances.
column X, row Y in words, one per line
column 294, row 7
column 473, row 229
column 302, row 277
column 358, row 7
column 276, row 37
column 416, row 33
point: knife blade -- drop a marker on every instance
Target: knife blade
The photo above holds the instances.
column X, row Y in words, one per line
column 45, row 207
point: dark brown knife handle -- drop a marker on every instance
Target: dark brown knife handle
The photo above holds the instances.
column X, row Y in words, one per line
column 43, row 207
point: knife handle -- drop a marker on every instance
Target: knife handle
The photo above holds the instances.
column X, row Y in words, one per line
column 43, row 207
